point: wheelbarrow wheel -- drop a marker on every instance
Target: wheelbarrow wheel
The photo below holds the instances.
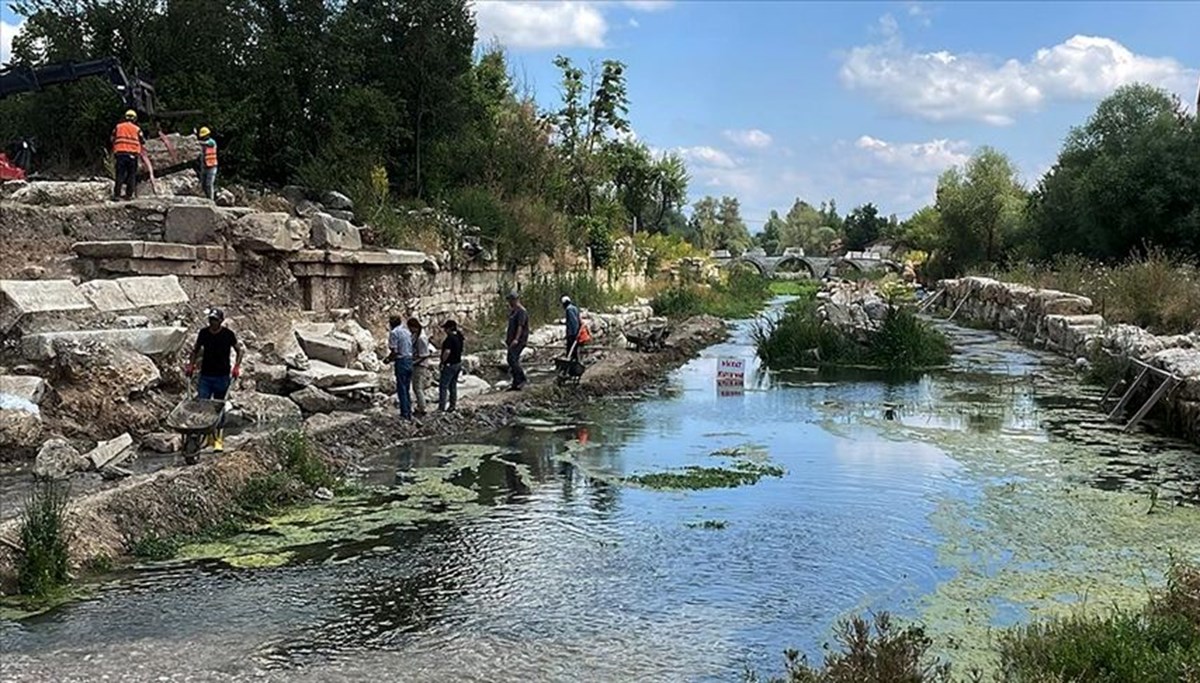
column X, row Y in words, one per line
column 191, row 447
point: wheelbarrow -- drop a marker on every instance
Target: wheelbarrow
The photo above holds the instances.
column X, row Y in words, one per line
column 195, row 418
column 569, row 368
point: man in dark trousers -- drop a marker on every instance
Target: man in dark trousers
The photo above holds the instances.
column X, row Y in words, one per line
column 574, row 324
column 127, row 141
column 516, row 339
column 451, row 367
column 211, row 353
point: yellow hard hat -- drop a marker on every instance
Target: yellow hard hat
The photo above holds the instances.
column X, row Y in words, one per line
column 131, row 115
column 205, row 132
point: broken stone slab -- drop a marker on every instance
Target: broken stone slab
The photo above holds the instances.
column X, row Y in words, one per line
column 352, row 388
column 324, row 375
column 328, row 232
column 365, row 341
column 330, row 349
column 250, row 407
column 106, row 295
column 25, row 387
column 160, row 267
column 192, row 224
column 314, row 400
column 163, row 442
column 112, row 452
column 270, row 232
column 58, row 459
column 150, row 341
column 20, row 298
column 270, row 378
column 337, row 201
column 153, row 291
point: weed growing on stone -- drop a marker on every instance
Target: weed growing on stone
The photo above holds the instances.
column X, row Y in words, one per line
column 43, row 567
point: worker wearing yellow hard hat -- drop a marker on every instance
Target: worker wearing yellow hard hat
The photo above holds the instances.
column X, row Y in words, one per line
column 208, row 163
column 127, row 141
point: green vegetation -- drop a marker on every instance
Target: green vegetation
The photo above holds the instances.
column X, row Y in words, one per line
column 1160, row 644
column 800, row 338
column 695, row 477
column 741, row 295
column 1156, row 291
column 709, row 524
column 43, row 567
column 804, row 289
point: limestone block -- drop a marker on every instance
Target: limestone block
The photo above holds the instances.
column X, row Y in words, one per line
column 334, row 233
column 192, row 224
column 1185, row 364
column 110, row 249
column 337, row 201
column 255, row 408
column 62, row 193
column 169, row 251
column 58, row 459
column 176, row 149
column 111, row 452
column 324, row 375
column 329, row 349
column 270, row 232
column 20, row 298
column 150, row 341
column 106, row 295
column 25, row 387
column 153, row 291
column 314, row 400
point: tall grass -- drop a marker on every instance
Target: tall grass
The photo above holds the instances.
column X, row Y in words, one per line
column 800, row 338
column 1156, row 291
column 741, row 295
column 43, row 567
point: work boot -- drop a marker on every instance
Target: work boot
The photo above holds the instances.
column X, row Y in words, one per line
column 219, row 442
column 209, row 439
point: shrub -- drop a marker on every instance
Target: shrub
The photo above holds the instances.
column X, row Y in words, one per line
column 300, row 461
column 44, row 565
column 739, row 296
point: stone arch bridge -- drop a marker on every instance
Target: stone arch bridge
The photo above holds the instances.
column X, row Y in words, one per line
column 813, row 267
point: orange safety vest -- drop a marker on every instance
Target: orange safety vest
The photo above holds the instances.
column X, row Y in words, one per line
column 127, row 139
column 210, row 155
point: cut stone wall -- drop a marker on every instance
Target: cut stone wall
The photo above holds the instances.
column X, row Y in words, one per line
column 1066, row 323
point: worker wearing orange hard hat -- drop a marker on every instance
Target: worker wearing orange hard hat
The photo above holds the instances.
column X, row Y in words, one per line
column 127, row 141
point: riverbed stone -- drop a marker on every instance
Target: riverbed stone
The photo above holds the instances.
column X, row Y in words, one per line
column 58, row 459
column 20, row 429
column 116, row 370
column 25, row 387
column 314, row 400
column 1185, row 364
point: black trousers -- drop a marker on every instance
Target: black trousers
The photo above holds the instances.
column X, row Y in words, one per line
column 127, row 167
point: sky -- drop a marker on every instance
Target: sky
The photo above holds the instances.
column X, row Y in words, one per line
column 856, row 101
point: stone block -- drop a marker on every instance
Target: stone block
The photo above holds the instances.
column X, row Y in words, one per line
column 176, row 149
column 314, row 400
column 62, row 193
column 270, row 232
column 330, row 349
column 216, row 252
column 1184, row 364
column 110, row 249
column 163, row 267
column 169, row 251
column 20, row 298
column 255, row 408
column 324, row 375
column 106, row 295
column 387, row 257
column 58, row 459
column 150, row 341
column 19, row 428
column 188, row 224
column 153, row 291
column 337, row 201
column 112, row 452
column 334, row 233
column 25, row 387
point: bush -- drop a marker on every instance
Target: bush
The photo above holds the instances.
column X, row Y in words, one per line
column 44, row 565
column 800, row 338
column 300, row 461
column 740, row 296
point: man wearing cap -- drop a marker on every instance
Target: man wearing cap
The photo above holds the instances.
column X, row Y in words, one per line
column 516, row 339
column 451, row 367
column 573, row 325
column 211, row 353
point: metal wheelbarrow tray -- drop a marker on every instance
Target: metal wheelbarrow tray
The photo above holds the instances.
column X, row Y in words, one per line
column 193, row 418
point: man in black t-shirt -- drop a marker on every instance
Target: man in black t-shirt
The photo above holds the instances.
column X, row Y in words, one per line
column 211, row 353
column 452, row 352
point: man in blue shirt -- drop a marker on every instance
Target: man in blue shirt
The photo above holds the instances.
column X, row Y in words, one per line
column 400, row 345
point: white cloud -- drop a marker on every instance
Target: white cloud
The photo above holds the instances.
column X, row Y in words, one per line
column 934, row 156
column 753, row 138
column 7, row 31
column 648, row 5
column 943, row 86
column 919, row 13
column 541, row 24
column 706, row 156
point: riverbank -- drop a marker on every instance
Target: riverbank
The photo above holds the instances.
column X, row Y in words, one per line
column 104, row 526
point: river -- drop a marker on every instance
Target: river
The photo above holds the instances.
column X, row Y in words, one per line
column 971, row 498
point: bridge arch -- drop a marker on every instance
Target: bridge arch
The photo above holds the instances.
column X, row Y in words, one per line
column 785, row 263
column 762, row 268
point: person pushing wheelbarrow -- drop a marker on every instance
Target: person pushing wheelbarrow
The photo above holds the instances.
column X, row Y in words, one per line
column 211, row 354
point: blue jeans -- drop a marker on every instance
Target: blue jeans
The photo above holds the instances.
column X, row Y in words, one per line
column 404, row 373
column 214, row 387
column 448, row 386
column 208, row 182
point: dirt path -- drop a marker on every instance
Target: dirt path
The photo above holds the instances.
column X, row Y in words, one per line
column 181, row 500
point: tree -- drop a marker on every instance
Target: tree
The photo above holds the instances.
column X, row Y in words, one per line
column 980, row 207
column 922, row 230
column 1127, row 178
column 863, row 226
column 733, row 234
column 770, row 237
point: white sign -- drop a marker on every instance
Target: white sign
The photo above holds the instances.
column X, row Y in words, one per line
column 731, row 376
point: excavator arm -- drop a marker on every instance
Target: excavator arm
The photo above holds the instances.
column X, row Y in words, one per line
column 136, row 93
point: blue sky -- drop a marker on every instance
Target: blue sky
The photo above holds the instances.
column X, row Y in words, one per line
column 859, row 101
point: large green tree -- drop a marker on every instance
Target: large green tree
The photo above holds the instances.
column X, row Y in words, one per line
column 980, row 208
column 863, row 226
column 1128, row 178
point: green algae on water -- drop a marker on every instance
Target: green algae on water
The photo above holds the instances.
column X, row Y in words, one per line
column 710, row 524
column 694, row 477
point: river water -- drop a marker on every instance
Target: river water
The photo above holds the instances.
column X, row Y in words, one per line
column 972, row 498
